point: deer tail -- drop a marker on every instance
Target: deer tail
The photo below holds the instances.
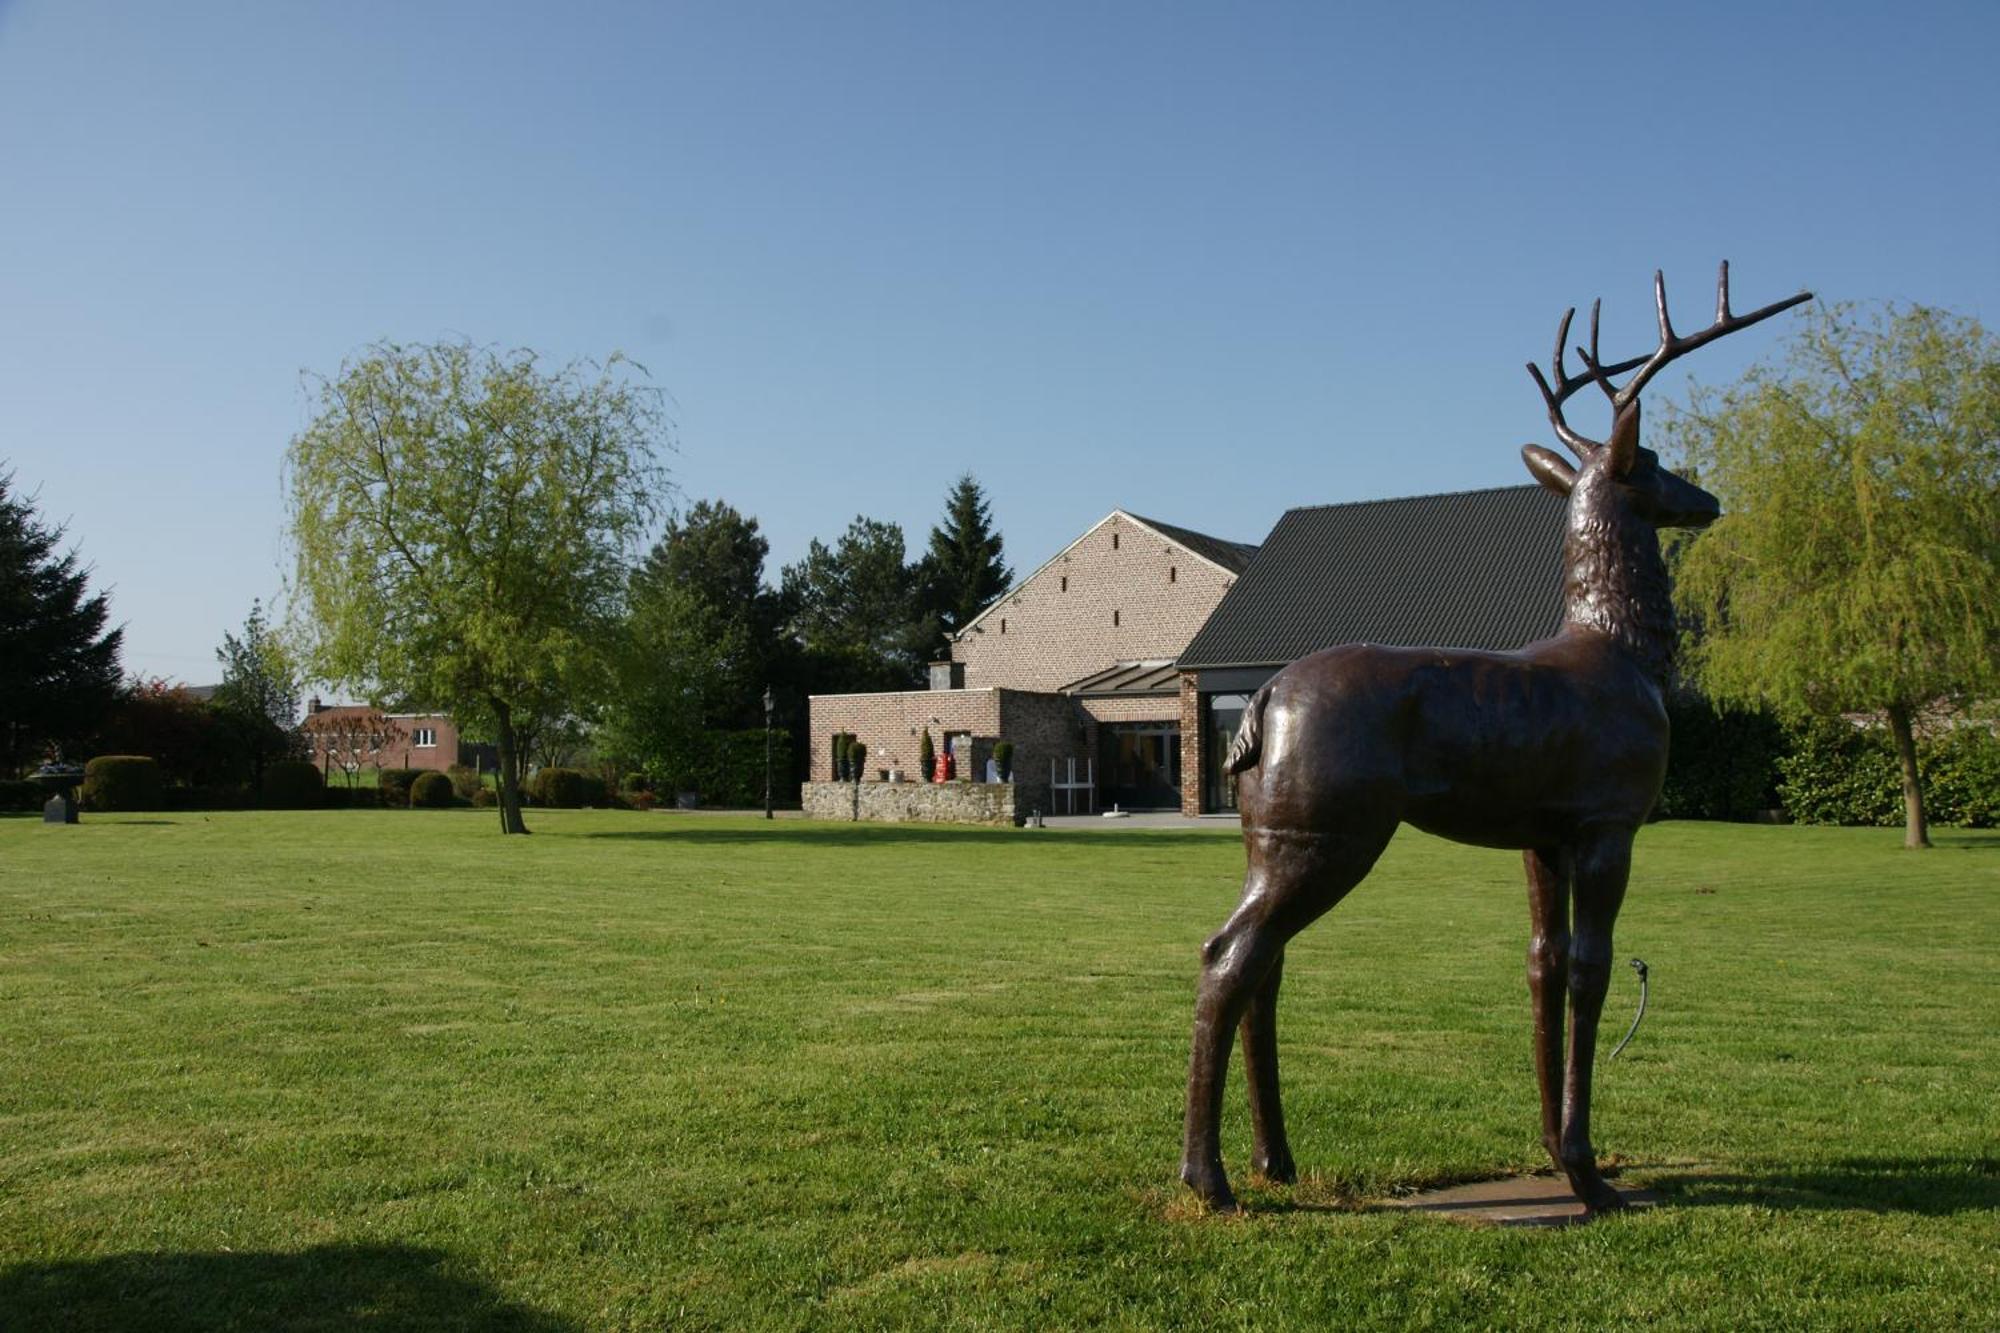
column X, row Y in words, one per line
column 1249, row 742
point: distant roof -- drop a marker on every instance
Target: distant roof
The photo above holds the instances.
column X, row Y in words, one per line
column 1474, row 569
column 1154, row 677
column 1232, row 556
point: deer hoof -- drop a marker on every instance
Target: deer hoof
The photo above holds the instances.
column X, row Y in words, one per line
column 1211, row 1186
column 1278, row 1168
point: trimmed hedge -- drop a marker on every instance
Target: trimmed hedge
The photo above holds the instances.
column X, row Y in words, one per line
column 465, row 781
column 432, row 791
column 566, row 788
column 395, row 784
column 293, row 784
column 123, row 782
column 1838, row 773
column 1722, row 764
column 727, row 768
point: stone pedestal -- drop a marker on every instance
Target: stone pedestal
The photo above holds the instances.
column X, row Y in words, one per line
column 1519, row 1201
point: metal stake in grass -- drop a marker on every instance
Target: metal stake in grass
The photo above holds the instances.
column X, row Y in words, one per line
column 1639, row 966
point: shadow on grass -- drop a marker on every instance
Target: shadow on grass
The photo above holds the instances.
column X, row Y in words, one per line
column 802, row 834
column 327, row 1287
column 1932, row 1186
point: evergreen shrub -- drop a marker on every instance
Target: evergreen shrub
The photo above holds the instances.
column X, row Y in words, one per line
column 565, row 788
column 1838, row 773
column 464, row 780
column 433, row 791
column 292, row 784
column 123, row 782
column 395, row 785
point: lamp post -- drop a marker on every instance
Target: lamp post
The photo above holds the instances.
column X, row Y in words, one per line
column 769, row 704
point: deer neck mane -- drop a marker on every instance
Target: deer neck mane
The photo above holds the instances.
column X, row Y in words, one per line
column 1614, row 579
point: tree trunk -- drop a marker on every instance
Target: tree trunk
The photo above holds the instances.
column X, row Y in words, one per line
column 510, row 786
column 1915, row 832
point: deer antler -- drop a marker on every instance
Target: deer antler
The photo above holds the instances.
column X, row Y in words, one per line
column 1580, row 445
column 1671, row 346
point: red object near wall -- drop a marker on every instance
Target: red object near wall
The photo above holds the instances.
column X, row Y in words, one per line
column 943, row 771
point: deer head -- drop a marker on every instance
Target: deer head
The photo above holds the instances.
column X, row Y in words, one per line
column 1621, row 463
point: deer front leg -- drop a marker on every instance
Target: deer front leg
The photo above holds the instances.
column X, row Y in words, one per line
column 1548, row 982
column 1270, row 1152
column 1601, row 870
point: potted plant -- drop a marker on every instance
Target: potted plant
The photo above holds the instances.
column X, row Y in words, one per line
column 841, row 741
column 926, row 759
column 857, row 755
column 1003, row 760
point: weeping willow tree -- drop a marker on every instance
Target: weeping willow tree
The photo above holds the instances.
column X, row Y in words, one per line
column 1856, row 567
column 463, row 520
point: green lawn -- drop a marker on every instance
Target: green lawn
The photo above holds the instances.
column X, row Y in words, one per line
column 291, row 1070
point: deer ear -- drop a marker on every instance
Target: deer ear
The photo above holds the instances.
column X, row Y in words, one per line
column 1548, row 469
column 1624, row 442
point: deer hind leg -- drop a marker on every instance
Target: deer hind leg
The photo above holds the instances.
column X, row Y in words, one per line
column 1293, row 879
column 1548, row 981
column 1270, row 1152
column 1602, row 866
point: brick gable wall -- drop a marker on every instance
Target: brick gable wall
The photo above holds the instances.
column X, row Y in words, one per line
column 1059, row 624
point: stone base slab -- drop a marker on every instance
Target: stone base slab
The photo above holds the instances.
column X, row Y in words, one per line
column 1519, row 1201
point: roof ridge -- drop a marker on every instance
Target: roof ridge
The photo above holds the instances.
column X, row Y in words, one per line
column 1405, row 499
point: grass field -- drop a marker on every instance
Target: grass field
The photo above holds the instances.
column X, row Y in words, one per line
column 300, row 1070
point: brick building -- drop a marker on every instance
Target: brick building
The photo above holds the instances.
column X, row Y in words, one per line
column 1074, row 665
column 411, row 740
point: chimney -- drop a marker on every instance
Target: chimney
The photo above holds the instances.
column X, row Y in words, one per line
column 947, row 675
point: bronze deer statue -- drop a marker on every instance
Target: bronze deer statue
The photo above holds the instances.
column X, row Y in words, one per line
column 1558, row 749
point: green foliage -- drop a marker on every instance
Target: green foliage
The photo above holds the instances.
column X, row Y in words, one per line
column 432, row 791
column 292, row 784
column 1857, row 562
column 854, row 609
column 462, row 521
column 566, row 788
column 485, row 798
column 636, row 782
column 395, row 784
column 465, row 781
column 123, row 782
column 1723, row 764
column 1838, row 773
column 857, row 755
column 926, row 757
column 1003, row 759
column 259, row 694
column 21, row 794
column 725, row 768
column 59, row 671
column 964, row 568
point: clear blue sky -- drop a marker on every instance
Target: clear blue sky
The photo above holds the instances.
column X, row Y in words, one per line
column 1203, row 263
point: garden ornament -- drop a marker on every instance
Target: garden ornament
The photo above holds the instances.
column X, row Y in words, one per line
column 1557, row 749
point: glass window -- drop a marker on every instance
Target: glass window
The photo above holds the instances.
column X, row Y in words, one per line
column 1221, row 715
column 424, row 738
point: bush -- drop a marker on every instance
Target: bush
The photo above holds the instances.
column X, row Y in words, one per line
column 565, row 788
column 637, row 782
column 1722, row 764
column 726, row 768
column 926, row 758
column 1838, row 773
column 395, row 784
column 1003, row 759
column 644, row 800
column 123, row 782
column 351, row 798
column 465, row 781
column 292, row 784
column 432, row 791
column 485, row 798
column 20, row 794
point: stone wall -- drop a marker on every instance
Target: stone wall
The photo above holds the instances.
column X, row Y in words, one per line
column 1193, row 744
column 911, row 802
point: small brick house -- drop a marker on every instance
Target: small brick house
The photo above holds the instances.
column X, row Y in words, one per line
column 419, row 740
column 1074, row 665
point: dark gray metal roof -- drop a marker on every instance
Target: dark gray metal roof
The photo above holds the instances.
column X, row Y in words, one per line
column 1232, row 556
column 1154, row 677
column 1474, row 569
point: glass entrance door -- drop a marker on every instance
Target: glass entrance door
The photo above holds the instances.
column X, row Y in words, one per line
column 1141, row 765
column 1221, row 714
